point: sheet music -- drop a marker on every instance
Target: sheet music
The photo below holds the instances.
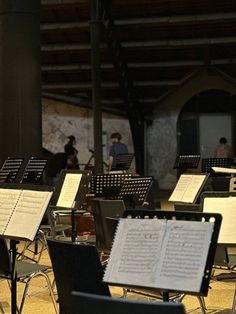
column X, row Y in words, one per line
column 226, row 207
column 135, row 251
column 28, row 214
column 69, row 190
column 159, row 254
column 8, row 200
column 184, row 254
column 187, row 188
column 224, row 170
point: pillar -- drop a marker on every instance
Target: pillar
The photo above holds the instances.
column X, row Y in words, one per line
column 20, row 79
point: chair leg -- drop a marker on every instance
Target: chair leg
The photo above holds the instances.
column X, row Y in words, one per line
column 202, row 304
column 234, row 301
column 49, row 288
column 1, row 308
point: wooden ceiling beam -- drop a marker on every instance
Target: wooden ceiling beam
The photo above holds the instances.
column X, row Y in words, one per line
column 144, row 44
column 60, row 2
column 172, row 19
column 107, row 85
column 161, row 64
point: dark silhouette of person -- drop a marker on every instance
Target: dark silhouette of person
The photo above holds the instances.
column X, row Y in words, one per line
column 69, row 148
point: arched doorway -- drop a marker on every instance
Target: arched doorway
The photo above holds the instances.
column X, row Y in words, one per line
column 205, row 118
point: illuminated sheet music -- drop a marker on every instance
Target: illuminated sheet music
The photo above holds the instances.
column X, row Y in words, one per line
column 69, row 190
column 187, row 188
column 28, row 214
column 226, row 207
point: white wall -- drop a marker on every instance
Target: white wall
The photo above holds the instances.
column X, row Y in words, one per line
column 212, row 127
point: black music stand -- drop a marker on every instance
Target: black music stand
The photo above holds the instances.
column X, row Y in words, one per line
column 122, row 162
column 107, row 185
column 185, row 162
column 10, row 169
column 134, row 191
column 188, row 216
column 15, row 240
column 208, row 163
column 79, row 200
column 34, row 170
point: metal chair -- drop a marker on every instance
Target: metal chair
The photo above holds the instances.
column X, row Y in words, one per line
column 25, row 271
column 76, row 267
column 85, row 303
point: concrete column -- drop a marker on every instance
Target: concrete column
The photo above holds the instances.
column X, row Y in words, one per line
column 20, row 78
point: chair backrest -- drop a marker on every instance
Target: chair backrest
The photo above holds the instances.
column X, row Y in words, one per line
column 84, row 303
column 76, row 267
column 187, row 207
column 5, row 264
column 232, row 184
column 101, row 209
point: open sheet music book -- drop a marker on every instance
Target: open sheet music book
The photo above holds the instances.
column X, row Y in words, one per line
column 162, row 254
column 21, row 212
column 188, row 188
column 224, row 170
column 69, row 190
column 226, row 207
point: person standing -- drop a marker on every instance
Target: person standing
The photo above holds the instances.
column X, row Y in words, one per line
column 223, row 150
column 69, row 147
column 117, row 148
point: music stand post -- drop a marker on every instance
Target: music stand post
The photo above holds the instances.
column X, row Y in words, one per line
column 185, row 162
column 135, row 190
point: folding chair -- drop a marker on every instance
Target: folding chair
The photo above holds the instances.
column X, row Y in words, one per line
column 76, row 267
column 85, row 303
column 25, row 271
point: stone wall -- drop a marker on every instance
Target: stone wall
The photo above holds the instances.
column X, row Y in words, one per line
column 60, row 120
column 162, row 135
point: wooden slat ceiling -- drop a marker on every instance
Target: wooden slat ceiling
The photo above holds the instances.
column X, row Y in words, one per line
column 164, row 42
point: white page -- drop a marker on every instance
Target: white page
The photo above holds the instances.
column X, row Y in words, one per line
column 226, row 206
column 187, row 188
column 159, row 254
column 135, row 252
column 224, row 170
column 8, row 200
column 28, row 214
column 183, row 256
column 69, row 189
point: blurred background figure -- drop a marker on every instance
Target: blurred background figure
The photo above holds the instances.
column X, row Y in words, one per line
column 117, row 148
column 223, row 150
column 69, row 148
